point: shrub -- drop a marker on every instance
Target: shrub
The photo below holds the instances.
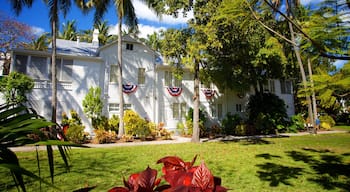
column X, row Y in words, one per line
column 75, row 131
column 135, row 125
column 327, row 122
column 113, row 123
column 267, row 112
column 202, row 120
column 181, row 176
column 103, row 136
column 297, row 123
column 230, row 123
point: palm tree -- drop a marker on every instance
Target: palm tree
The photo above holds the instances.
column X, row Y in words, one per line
column 39, row 44
column 55, row 8
column 290, row 6
column 103, row 36
column 86, row 35
column 69, row 31
column 126, row 14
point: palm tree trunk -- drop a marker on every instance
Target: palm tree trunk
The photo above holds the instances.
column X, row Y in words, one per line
column 314, row 106
column 120, row 80
column 196, row 130
column 302, row 71
column 53, row 66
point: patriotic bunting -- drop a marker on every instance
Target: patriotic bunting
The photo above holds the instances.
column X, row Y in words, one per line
column 209, row 93
column 174, row 91
column 128, row 88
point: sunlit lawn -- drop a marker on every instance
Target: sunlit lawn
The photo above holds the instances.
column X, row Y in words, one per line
column 302, row 163
column 341, row 127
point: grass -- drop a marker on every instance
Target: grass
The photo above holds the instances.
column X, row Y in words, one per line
column 301, row 163
column 341, row 127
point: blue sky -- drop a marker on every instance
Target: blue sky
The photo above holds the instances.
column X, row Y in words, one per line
column 37, row 17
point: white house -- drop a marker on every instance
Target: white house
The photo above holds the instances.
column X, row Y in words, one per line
column 150, row 88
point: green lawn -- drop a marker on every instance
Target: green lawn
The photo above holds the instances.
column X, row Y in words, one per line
column 341, row 127
column 301, row 163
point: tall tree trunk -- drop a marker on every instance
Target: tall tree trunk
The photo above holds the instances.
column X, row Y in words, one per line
column 53, row 66
column 196, row 130
column 302, row 71
column 120, row 79
column 314, row 106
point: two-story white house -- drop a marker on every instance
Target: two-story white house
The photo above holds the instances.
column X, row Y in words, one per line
column 149, row 86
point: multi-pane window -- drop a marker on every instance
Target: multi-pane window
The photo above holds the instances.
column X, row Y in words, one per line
column 113, row 76
column 270, row 86
column 170, row 80
column 141, row 77
column 286, row 86
column 114, row 107
column 39, row 68
column 21, row 63
column 129, row 46
column 179, row 110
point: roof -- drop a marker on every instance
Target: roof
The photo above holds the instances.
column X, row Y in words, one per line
column 75, row 48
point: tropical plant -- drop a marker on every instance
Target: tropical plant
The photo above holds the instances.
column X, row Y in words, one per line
column 267, row 112
column 93, row 104
column 125, row 14
column 297, row 123
column 181, row 176
column 230, row 123
column 39, row 44
column 69, row 31
column 15, row 86
column 75, row 131
column 327, row 122
column 56, row 7
column 135, row 125
column 19, row 126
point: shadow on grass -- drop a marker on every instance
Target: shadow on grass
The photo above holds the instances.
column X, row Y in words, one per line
column 276, row 174
column 248, row 141
column 330, row 171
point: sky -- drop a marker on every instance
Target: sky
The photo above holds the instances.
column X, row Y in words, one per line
column 37, row 17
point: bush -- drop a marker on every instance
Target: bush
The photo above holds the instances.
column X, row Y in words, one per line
column 297, row 123
column 327, row 122
column 103, row 136
column 230, row 123
column 202, row 119
column 75, row 131
column 267, row 112
column 113, row 123
column 135, row 125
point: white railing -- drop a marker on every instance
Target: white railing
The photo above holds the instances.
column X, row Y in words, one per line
column 45, row 84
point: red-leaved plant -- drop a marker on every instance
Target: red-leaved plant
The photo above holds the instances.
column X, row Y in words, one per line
column 181, row 176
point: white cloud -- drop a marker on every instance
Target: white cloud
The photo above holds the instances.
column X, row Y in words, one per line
column 37, row 30
column 143, row 12
column 144, row 30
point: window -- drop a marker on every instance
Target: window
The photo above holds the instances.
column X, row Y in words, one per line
column 179, row 110
column 64, row 70
column 113, row 76
column 286, row 87
column 239, row 108
column 39, row 68
column 114, row 107
column 269, row 86
column 171, row 81
column 129, row 46
column 141, row 76
column 21, row 63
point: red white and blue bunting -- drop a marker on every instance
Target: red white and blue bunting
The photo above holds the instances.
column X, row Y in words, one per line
column 174, row 91
column 129, row 88
column 209, row 93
